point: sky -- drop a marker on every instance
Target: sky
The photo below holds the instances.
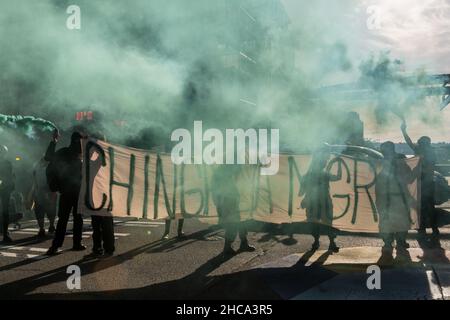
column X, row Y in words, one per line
column 414, row 31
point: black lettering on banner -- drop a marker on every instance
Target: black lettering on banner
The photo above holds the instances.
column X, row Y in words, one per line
column 366, row 187
column 146, row 186
column 160, row 179
column 292, row 167
column 113, row 182
column 89, row 183
column 257, row 189
column 341, row 163
column 204, row 175
column 192, row 191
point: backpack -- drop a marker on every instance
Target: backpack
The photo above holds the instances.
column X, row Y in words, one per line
column 53, row 174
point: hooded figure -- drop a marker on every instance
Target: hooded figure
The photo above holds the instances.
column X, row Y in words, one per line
column 226, row 198
column 393, row 199
column 44, row 199
column 315, row 189
column 69, row 163
column 6, row 188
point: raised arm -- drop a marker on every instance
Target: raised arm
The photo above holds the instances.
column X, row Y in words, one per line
column 51, row 147
column 407, row 138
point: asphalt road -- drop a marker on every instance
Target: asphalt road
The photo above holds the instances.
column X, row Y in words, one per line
column 144, row 267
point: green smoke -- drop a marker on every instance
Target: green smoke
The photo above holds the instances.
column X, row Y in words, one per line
column 27, row 124
column 158, row 65
column 393, row 91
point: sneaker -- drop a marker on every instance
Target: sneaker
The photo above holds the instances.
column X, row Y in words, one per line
column 436, row 232
column 7, row 239
column 51, row 230
column 165, row 236
column 315, row 246
column 245, row 247
column 97, row 251
column 107, row 255
column 421, row 233
column 434, row 242
column 333, row 247
column 78, row 247
column 181, row 234
column 52, row 251
column 402, row 244
column 41, row 233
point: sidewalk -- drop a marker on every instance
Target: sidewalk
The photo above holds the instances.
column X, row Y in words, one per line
column 415, row 274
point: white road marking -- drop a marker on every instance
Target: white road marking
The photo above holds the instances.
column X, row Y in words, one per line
column 28, row 256
column 145, row 222
column 141, row 225
column 137, row 222
column 35, row 230
column 8, row 254
column 21, row 248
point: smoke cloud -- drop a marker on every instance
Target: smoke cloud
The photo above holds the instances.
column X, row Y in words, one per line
column 153, row 66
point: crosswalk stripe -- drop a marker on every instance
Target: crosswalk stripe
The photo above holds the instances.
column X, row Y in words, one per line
column 21, row 248
column 149, row 222
column 8, row 254
column 141, row 225
column 16, row 255
column 145, row 222
column 34, row 230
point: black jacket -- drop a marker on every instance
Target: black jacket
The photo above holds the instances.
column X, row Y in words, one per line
column 6, row 175
column 69, row 167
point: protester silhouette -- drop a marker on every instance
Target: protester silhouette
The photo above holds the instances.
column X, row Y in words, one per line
column 69, row 164
column 44, row 199
column 315, row 189
column 6, row 188
column 226, row 198
column 428, row 214
column 393, row 199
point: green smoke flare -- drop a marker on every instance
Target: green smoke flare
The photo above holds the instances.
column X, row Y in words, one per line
column 27, row 124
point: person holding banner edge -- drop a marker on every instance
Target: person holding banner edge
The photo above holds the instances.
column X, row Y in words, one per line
column 428, row 214
column 315, row 189
column 226, row 198
column 393, row 200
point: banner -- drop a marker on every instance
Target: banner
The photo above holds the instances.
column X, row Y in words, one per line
column 126, row 182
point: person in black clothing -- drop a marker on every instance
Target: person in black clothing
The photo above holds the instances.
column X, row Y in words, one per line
column 103, row 231
column 6, row 188
column 428, row 214
column 393, row 199
column 226, row 198
column 69, row 162
column 317, row 202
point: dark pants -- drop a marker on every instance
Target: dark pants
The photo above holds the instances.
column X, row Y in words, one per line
column 103, row 230
column 399, row 237
column 42, row 207
column 231, row 231
column 318, row 229
column 68, row 202
column 169, row 222
column 5, row 196
column 428, row 214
